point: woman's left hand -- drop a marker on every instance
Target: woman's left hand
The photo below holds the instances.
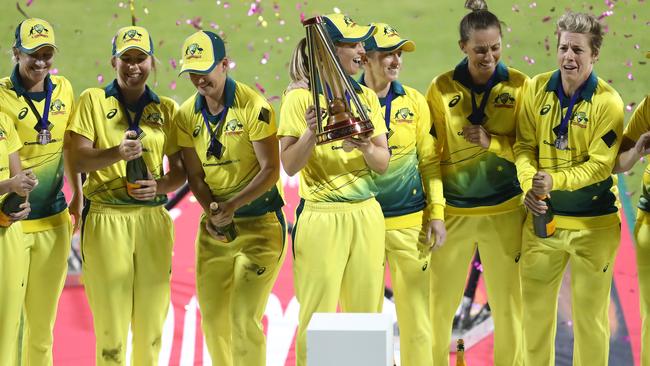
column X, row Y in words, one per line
column 224, row 215
column 361, row 142
column 147, row 190
column 478, row 135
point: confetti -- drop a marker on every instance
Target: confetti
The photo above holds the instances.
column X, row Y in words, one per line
column 630, row 76
column 337, row 10
column 636, row 47
column 100, row 78
column 515, row 8
column 628, row 63
column 226, row 5
column 273, row 98
column 546, row 19
column 232, row 65
column 214, row 25
column 172, row 63
column 54, row 71
column 254, row 9
column 280, row 40
column 530, row 60
column 172, row 85
column 605, row 14
column 178, row 22
column 265, row 58
column 260, row 88
column 121, row 5
column 146, row 11
column 630, row 106
column 532, row 5
column 29, row 2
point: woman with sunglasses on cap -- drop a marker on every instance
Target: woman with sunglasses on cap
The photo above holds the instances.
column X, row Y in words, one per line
column 338, row 244
column 127, row 234
column 410, row 192
column 569, row 132
column 12, row 248
column 227, row 132
column 474, row 110
column 40, row 106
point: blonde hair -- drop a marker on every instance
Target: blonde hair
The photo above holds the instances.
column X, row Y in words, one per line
column 581, row 23
column 299, row 65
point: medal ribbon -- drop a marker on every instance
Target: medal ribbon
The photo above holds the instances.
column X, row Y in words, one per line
column 42, row 122
column 215, row 148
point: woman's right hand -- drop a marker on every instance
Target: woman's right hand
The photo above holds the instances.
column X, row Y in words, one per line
column 534, row 204
column 312, row 120
column 24, row 182
column 130, row 149
column 23, row 213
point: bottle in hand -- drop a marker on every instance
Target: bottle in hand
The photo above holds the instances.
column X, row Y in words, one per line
column 11, row 204
column 460, row 353
column 136, row 169
column 544, row 224
column 229, row 230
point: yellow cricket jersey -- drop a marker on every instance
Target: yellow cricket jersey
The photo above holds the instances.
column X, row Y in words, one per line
column 100, row 117
column 331, row 174
column 582, row 194
column 414, row 161
column 9, row 144
column 639, row 124
column 249, row 118
column 46, row 161
column 476, row 180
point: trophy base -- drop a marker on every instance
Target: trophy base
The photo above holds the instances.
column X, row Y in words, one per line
column 343, row 130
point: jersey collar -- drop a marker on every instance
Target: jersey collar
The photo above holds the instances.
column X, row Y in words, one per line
column 555, row 83
column 395, row 86
column 462, row 75
column 229, row 96
column 113, row 89
column 17, row 86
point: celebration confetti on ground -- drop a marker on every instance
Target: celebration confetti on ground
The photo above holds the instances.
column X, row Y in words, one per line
column 100, row 78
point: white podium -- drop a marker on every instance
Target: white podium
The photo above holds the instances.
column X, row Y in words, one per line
column 350, row 339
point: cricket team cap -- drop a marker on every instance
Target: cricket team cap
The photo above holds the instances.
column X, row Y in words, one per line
column 341, row 28
column 386, row 39
column 201, row 52
column 33, row 34
column 132, row 37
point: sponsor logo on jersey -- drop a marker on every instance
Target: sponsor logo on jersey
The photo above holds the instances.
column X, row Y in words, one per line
column 454, row 101
column 545, row 109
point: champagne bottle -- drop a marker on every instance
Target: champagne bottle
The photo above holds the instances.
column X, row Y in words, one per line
column 136, row 169
column 544, row 224
column 460, row 353
column 228, row 230
column 11, row 204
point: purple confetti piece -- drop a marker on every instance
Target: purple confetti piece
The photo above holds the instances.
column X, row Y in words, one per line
column 214, row 25
column 100, row 78
column 636, row 47
column 232, row 65
column 172, row 62
column 254, row 9
column 609, row 4
column 274, row 98
column 29, row 2
column 605, row 14
column 54, row 71
column 302, row 17
column 260, row 88
column 226, row 5
column 546, row 19
column 178, row 22
column 280, row 39
column 630, row 106
column 628, row 63
column 172, row 85
column 630, row 76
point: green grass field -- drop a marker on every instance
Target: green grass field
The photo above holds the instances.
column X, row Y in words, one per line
column 261, row 35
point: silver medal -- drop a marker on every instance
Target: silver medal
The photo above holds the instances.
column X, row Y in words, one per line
column 44, row 137
column 562, row 142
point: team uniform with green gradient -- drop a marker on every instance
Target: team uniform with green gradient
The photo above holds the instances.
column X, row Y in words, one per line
column 586, row 214
column 409, row 187
column 126, row 243
column 48, row 228
column 13, row 266
column 639, row 124
column 234, row 280
column 338, row 244
column 483, row 207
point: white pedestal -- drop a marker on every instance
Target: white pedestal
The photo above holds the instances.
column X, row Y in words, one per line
column 350, row 339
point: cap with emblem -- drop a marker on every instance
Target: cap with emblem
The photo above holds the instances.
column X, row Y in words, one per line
column 388, row 40
column 33, row 34
column 201, row 52
column 132, row 37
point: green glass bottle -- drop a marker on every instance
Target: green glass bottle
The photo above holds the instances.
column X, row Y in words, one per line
column 11, row 204
column 230, row 230
column 544, row 224
column 136, row 169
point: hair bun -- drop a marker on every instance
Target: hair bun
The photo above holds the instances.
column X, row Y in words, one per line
column 476, row 5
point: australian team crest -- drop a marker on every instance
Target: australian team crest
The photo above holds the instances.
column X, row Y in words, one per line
column 193, row 51
column 348, row 21
column 38, row 30
column 154, row 119
column 57, row 107
column 390, row 31
column 504, row 100
column 132, row 35
column 579, row 119
column 233, row 127
column 404, row 115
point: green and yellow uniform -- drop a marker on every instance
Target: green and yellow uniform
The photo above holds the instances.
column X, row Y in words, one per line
column 410, row 187
column 588, row 226
column 48, row 228
column 13, row 258
column 483, row 206
column 338, row 236
column 639, row 124
column 120, row 233
column 234, row 280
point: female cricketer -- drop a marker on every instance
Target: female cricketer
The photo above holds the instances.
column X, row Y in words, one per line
column 568, row 136
column 474, row 109
column 410, row 187
column 127, row 234
column 338, row 236
column 227, row 132
column 40, row 106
